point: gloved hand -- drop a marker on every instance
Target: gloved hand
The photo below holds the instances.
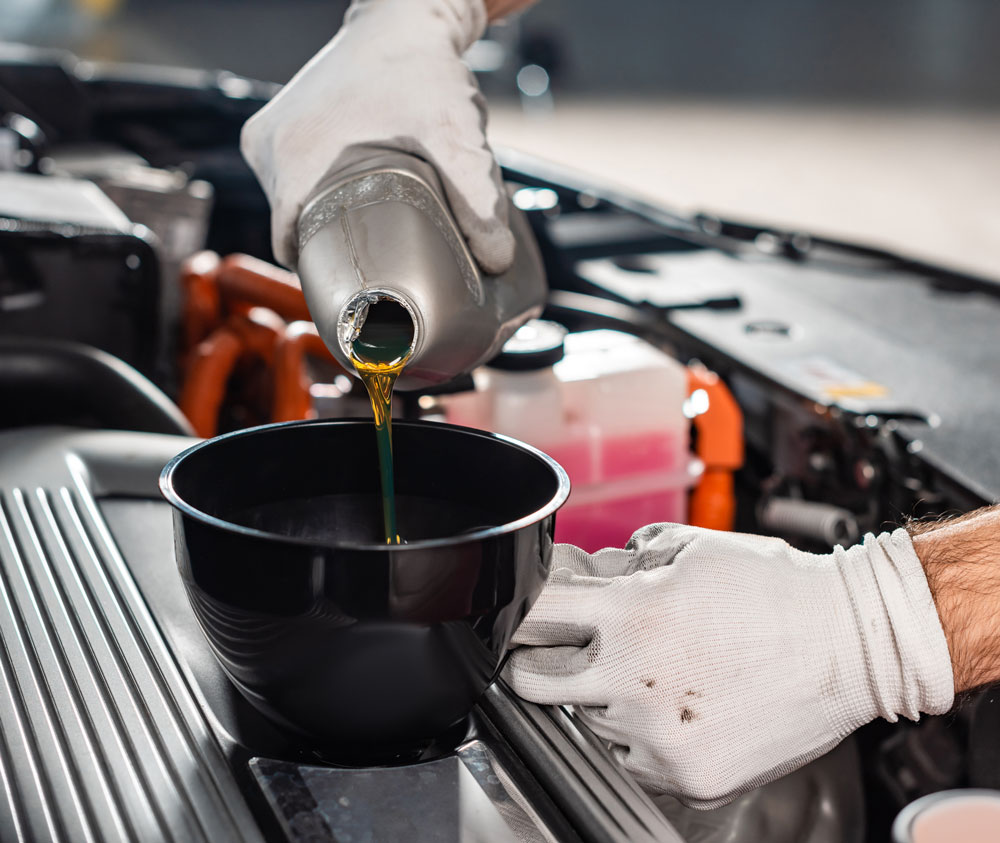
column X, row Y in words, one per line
column 716, row 662
column 392, row 79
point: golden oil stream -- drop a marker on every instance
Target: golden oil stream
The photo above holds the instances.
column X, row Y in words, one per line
column 378, row 358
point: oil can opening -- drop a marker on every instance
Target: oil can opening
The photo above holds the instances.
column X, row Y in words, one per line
column 377, row 327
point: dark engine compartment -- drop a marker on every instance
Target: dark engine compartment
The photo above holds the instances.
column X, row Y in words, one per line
column 867, row 381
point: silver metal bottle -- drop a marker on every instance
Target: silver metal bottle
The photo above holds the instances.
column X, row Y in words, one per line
column 383, row 232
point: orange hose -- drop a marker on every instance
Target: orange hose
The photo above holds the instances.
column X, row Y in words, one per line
column 212, row 362
column 259, row 329
column 258, row 297
column 720, row 448
column 291, row 382
column 202, row 308
column 246, row 279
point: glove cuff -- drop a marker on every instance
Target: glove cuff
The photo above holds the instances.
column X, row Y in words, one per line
column 904, row 667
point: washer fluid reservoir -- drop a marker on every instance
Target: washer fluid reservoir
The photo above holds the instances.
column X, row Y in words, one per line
column 609, row 408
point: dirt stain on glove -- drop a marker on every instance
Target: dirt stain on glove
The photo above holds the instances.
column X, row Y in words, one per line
column 687, row 715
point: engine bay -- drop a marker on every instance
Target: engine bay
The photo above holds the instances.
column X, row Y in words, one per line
column 813, row 390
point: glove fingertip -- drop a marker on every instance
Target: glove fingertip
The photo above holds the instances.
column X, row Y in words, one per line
column 282, row 237
column 493, row 249
column 259, row 155
column 479, row 201
column 525, row 678
column 517, row 672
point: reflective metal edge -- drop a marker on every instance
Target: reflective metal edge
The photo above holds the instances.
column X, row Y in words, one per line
column 576, row 769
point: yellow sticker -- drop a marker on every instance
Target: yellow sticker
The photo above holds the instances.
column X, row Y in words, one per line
column 825, row 377
column 868, row 389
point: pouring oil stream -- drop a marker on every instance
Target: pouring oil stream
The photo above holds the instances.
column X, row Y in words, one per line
column 379, row 352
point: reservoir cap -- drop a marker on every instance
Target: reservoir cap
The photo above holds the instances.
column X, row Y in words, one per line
column 537, row 344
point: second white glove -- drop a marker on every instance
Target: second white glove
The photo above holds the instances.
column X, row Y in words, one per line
column 392, row 79
column 716, row 662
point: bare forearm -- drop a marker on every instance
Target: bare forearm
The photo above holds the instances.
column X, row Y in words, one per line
column 496, row 9
column 961, row 558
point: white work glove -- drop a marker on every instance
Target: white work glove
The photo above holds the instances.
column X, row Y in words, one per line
column 716, row 662
column 391, row 80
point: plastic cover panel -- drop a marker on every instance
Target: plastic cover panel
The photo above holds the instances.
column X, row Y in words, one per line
column 100, row 738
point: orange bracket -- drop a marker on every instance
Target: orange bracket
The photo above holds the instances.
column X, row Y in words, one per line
column 719, row 447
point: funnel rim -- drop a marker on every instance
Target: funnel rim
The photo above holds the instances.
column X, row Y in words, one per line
column 181, row 505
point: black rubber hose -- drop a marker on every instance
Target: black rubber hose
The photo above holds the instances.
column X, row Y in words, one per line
column 46, row 381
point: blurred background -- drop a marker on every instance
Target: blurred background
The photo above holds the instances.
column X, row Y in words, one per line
column 876, row 122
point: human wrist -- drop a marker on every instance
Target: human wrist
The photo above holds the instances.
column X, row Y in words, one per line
column 959, row 560
column 497, row 9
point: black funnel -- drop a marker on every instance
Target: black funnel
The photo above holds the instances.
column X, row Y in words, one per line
column 363, row 649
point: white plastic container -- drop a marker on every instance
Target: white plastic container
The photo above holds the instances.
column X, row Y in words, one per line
column 610, row 411
column 969, row 815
